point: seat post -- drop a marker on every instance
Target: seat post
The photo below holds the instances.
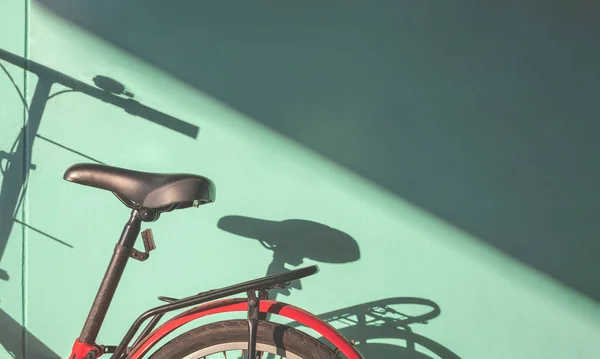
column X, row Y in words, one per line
column 111, row 279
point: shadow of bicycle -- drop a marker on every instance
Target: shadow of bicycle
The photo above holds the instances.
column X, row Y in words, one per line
column 382, row 328
column 292, row 241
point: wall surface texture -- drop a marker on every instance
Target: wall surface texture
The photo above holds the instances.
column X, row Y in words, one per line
column 423, row 155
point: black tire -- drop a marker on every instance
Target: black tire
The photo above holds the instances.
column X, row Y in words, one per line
column 286, row 340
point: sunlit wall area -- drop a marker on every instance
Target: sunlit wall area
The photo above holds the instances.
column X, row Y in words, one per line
column 320, row 166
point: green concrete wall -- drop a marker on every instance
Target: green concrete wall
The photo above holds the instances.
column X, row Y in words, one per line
column 423, row 156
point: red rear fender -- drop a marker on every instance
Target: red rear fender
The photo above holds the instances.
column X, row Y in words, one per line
column 241, row 305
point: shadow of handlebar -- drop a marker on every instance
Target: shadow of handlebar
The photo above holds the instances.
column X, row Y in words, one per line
column 130, row 106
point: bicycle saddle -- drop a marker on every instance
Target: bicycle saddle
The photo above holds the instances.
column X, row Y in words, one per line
column 155, row 191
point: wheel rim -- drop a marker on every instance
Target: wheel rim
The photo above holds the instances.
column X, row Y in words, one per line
column 236, row 350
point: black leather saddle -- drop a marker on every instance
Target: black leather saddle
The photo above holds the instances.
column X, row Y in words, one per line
column 157, row 192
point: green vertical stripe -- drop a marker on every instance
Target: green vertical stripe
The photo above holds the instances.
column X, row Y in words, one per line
column 24, row 199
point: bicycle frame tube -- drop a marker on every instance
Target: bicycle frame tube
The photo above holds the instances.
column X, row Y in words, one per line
column 241, row 305
column 107, row 289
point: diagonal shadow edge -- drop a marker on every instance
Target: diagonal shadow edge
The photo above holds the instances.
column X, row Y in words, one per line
column 588, row 293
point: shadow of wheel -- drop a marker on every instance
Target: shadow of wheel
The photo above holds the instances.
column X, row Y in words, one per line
column 382, row 350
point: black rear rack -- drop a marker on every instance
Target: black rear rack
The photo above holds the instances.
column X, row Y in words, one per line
column 280, row 280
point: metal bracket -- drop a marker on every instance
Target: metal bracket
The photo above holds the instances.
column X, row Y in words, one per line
column 148, row 240
column 253, row 310
column 263, row 294
column 109, row 349
column 281, row 285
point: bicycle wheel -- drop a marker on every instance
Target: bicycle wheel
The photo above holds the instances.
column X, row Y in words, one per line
column 229, row 339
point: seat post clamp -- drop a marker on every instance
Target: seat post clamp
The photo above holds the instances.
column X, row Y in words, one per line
column 148, row 215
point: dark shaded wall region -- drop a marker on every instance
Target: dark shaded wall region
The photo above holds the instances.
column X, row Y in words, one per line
column 483, row 114
column 12, row 336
